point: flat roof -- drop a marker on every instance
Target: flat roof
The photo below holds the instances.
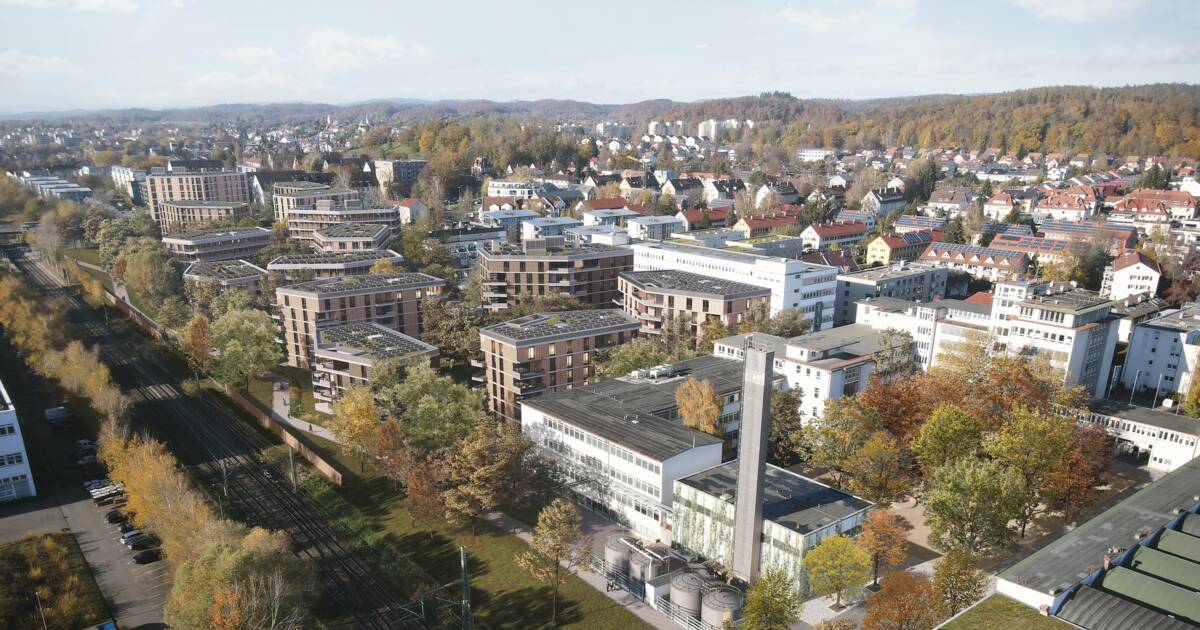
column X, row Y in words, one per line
column 333, row 258
column 544, row 327
column 693, row 284
column 1185, row 319
column 568, row 249
column 1071, row 301
column 1146, row 415
column 725, row 254
column 227, row 205
column 218, row 233
column 657, row 396
column 224, row 270
column 369, row 341
column 790, row 500
column 367, row 282
column 876, row 274
column 352, row 230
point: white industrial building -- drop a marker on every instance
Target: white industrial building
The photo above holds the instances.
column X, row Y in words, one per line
column 16, row 478
column 1163, row 353
column 1167, row 440
column 794, row 284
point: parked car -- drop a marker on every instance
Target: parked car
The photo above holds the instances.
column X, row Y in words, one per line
column 146, row 557
column 92, row 484
column 148, row 542
column 114, row 517
column 126, row 527
column 131, row 534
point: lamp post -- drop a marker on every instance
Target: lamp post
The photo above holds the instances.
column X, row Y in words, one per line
column 1133, row 387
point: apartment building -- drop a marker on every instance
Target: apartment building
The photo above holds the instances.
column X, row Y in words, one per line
column 304, row 221
column 653, row 297
column 653, row 228
column 616, row 216
column 352, row 237
column 794, row 284
column 886, row 249
column 541, row 227
column 290, row 195
column 1131, row 274
column 1164, row 352
column 182, row 184
column 551, row 267
column 331, row 264
column 16, row 478
column 1043, row 250
column 544, row 352
column 392, row 300
column 827, row 235
column 1120, row 237
column 179, row 216
column 209, row 245
column 914, row 282
column 227, row 274
column 515, row 189
column 906, row 223
column 980, row 262
column 345, row 355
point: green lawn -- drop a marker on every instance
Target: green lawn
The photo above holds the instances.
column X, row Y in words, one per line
column 999, row 611
column 52, row 566
column 86, row 254
column 260, row 391
column 503, row 594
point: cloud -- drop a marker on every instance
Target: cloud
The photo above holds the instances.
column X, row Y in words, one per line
column 331, row 50
column 252, row 55
column 21, row 64
column 119, row 6
column 1079, row 10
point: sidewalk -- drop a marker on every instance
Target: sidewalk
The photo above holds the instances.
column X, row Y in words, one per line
column 629, row 602
column 281, row 409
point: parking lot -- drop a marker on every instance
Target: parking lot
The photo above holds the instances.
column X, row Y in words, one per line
column 135, row 594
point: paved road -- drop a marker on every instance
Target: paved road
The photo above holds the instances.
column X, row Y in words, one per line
column 135, row 595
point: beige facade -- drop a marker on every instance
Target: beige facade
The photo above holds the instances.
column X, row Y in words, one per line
column 587, row 272
column 653, row 297
column 331, row 264
column 217, row 244
column 345, row 356
column 391, row 300
column 161, row 186
column 228, row 274
column 545, row 352
column 352, row 237
column 300, row 194
column 178, row 216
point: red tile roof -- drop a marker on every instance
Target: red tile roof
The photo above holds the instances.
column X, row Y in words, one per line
column 1135, row 257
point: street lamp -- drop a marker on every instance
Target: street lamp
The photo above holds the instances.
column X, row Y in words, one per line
column 1133, row 387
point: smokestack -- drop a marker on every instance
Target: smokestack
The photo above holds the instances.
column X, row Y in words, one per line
column 752, row 462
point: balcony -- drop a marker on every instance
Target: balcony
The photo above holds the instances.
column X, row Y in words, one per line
column 477, row 363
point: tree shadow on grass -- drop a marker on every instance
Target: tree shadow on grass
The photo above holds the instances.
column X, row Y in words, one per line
column 528, row 607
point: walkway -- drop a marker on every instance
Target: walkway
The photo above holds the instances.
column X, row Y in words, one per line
column 281, row 412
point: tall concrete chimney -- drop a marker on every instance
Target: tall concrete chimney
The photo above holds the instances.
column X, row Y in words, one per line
column 752, row 462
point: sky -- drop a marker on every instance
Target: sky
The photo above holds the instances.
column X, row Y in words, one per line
column 96, row 54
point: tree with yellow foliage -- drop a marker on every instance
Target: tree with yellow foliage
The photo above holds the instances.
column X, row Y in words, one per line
column 699, row 406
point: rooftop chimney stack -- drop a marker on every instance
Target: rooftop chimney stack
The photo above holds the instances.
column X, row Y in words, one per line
column 752, row 462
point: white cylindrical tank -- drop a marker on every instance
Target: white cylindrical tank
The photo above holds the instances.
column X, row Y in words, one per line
column 616, row 554
column 686, row 590
column 719, row 604
column 639, row 564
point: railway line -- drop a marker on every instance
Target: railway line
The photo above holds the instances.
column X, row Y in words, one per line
column 216, row 443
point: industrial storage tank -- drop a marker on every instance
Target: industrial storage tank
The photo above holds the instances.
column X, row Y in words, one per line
column 642, row 567
column 721, row 603
column 616, row 554
column 686, row 590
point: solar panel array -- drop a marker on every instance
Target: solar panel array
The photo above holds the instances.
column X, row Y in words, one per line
column 538, row 325
column 370, row 339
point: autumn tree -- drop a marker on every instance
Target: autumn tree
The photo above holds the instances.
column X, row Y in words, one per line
column 785, row 441
column 477, row 475
column 699, row 406
column 383, row 265
column 958, row 582
column 434, row 412
column 786, row 323
column 902, row 604
column 1090, row 455
column 197, row 342
column 902, row 403
column 557, row 548
column 245, row 342
column 1037, row 446
column 772, row 602
column 970, row 504
column 712, row 331
column 390, row 452
column 877, row 470
column 885, row 538
column 425, row 501
column 836, row 566
column 638, row 354
column 837, row 435
column 947, row 435
column 355, row 421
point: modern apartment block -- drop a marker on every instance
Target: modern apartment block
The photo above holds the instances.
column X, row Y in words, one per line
column 178, row 216
column 794, row 284
column 331, row 264
column 228, row 274
column 181, row 184
column 352, row 237
column 287, row 196
column 550, row 267
column 392, row 300
column 1164, row 352
column 304, row 221
column 345, row 355
column 915, row 282
column 16, row 478
column 655, row 296
column 215, row 244
column 544, row 352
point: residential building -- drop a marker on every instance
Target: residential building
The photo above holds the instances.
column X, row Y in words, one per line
column 348, row 237
column 654, row 297
column 763, row 224
column 915, row 282
column 1119, row 237
column 217, row 244
column 867, row 218
column 794, row 284
column 1163, row 353
column 886, row 249
column 410, row 211
column 609, row 216
column 515, row 189
column 180, row 216
column 398, row 175
column 128, row 180
column 331, row 264
column 1165, row 439
column 812, row 154
column 1154, row 206
column 550, row 267
column 16, row 477
column 703, row 219
column 653, row 228
column 1064, row 205
column 507, row 219
column 262, row 183
column 345, row 356
column 598, row 235
column 391, row 299
column 1134, row 310
column 181, row 184
column 999, row 206
column 952, row 201
column 979, row 262
column 827, row 235
column 304, row 221
column 542, row 353
column 465, row 242
column 1043, row 250
column 290, row 195
column 883, row 201
column 775, row 193
column 1131, row 274
column 227, row 274
column 906, row 223
column 541, row 227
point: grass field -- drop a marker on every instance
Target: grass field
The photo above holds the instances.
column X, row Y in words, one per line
column 52, row 566
column 503, row 594
column 86, row 254
column 260, row 391
column 999, row 611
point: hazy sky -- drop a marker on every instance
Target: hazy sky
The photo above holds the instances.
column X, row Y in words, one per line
column 66, row 54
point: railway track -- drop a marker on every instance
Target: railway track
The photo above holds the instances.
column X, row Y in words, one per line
column 214, row 441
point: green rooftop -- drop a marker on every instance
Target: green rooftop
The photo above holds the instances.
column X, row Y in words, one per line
column 1166, row 566
column 1173, row 600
